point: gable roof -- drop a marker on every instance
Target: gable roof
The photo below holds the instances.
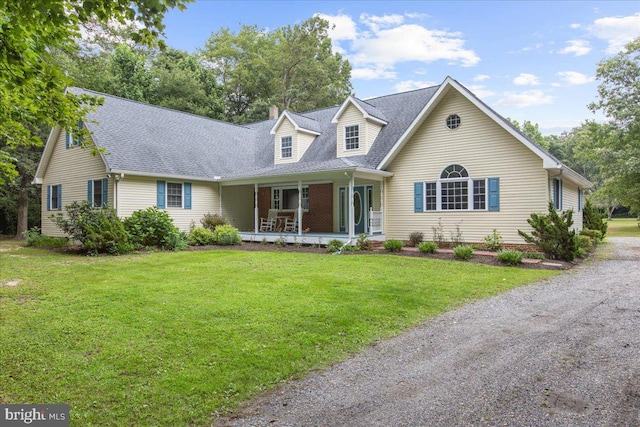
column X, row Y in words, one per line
column 148, row 140
column 300, row 123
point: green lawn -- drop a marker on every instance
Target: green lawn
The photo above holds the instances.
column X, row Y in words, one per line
column 174, row 338
column 623, row 227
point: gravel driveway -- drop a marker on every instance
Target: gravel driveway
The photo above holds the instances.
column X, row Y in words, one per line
column 561, row 352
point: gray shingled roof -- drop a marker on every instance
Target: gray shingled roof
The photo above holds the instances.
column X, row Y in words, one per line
column 143, row 138
column 370, row 109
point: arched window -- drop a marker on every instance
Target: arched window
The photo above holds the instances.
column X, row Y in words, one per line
column 456, row 190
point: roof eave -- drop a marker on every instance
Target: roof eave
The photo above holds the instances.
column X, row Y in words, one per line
column 125, row 172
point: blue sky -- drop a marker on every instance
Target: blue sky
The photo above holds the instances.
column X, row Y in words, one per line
column 528, row 60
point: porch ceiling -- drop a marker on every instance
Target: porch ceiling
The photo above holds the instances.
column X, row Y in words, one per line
column 326, row 176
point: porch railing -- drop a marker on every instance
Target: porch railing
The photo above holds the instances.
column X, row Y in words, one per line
column 375, row 221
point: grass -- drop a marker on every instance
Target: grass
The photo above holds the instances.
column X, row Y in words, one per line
column 623, row 227
column 175, row 338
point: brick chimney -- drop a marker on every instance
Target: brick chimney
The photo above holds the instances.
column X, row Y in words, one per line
column 273, row 112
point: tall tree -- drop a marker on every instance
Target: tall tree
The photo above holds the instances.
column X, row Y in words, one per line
column 292, row 67
column 617, row 146
column 32, row 83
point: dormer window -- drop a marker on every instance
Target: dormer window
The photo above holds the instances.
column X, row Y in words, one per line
column 352, row 137
column 286, row 151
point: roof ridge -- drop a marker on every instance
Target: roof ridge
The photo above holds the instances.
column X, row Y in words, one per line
column 146, row 104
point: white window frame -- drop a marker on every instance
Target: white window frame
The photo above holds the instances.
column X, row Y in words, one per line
column 470, row 192
column 289, row 148
column 276, row 197
column 51, row 198
column 349, row 139
column 181, row 195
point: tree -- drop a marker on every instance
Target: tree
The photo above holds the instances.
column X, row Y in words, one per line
column 532, row 131
column 292, row 67
column 616, row 148
column 32, row 83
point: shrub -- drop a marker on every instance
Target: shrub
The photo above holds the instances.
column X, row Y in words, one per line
column 32, row 235
column 462, row 252
column 201, row 236
column 97, row 230
column 596, row 235
column 227, row 235
column 34, row 238
column 428, row 247
column 416, row 238
column 532, row 255
column 438, row 232
column 176, row 241
column 593, row 219
column 510, row 257
column 393, row 245
column 211, row 221
column 350, row 248
column 456, row 237
column 584, row 242
column 363, row 243
column 493, row 241
column 552, row 234
column 151, row 227
column 334, row 245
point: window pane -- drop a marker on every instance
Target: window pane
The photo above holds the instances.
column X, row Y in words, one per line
column 431, row 196
column 97, row 193
column 454, row 195
column 174, row 195
column 54, row 197
column 454, row 171
column 352, row 137
column 286, row 144
column 479, row 194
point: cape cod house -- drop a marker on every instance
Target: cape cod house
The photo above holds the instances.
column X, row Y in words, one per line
column 385, row 166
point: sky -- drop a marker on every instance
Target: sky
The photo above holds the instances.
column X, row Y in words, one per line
column 528, row 60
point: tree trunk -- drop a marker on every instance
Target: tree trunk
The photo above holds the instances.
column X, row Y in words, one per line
column 23, row 211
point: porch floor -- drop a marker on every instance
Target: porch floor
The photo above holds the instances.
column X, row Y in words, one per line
column 305, row 238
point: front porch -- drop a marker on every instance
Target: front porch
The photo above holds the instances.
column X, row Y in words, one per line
column 312, row 209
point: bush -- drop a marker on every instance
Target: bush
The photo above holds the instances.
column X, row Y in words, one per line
column 493, row 241
column 227, row 235
column 211, row 221
column 363, row 243
column 334, row 245
column 510, row 257
column 593, row 219
column 596, row 235
column 552, row 234
column 34, row 238
column 176, row 241
column 201, row 237
column 584, row 242
column 532, row 255
column 393, row 245
column 32, row 235
column 462, row 252
column 97, row 230
column 151, row 227
column 428, row 247
column 416, row 238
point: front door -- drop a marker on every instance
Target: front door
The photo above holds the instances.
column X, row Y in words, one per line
column 362, row 202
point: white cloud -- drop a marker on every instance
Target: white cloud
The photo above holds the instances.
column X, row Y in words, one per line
column 411, row 42
column 344, row 28
column 574, row 78
column 528, row 98
column 481, row 91
column 407, row 85
column 481, row 78
column 377, row 22
column 525, row 79
column 616, row 31
column 372, row 74
column 577, row 47
column 575, row 26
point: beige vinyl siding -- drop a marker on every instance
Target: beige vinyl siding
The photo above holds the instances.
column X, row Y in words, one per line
column 238, row 206
column 286, row 128
column 304, row 142
column 570, row 201
column 72, row 168
column 137, row 192
column 373, row 129
column 486, row 151
column 351, row 116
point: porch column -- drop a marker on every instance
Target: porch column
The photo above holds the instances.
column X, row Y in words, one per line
column 299, row 208
column 352, row 227
column 220, row 198
column 382, row 205
column 255, row 207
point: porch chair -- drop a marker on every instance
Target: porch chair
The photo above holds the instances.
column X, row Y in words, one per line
column 269, row 223
column 291, row 223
